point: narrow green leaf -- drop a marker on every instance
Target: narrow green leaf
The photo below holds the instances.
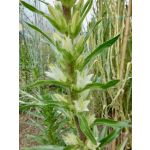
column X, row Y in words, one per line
column 69, row 147
column 114, row 134
column 100, row 86
column 50, row 103
column 32, row 8
column 85, row 129
column 98, row 79
column 37, row 29
column 111, row 123
column 99, row 50
column 44, row 2
column 37, row 138
column 63, row 111
column 36, row 125
column 85, row 6
column 44, row 147
column 49, row 82
column 123, row 144
column 88, row 34
column 95, row 129
column 103, row 134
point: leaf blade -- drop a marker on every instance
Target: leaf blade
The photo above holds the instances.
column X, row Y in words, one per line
column 100, row 49
column 114, row 134
column 44, row 147
column 37, row 29
column 123, row 144
column 100, row 86
column 85, row 129
column 48, row 82
column 111, row 123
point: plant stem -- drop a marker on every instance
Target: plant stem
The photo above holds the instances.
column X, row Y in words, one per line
column 67, row 15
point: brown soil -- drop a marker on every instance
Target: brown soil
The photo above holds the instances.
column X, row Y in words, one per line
column 25, row 129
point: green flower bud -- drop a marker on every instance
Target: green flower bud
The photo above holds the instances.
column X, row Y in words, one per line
column 79, row 47
column 60, row 98
column 58, row 18
column 79, row 61
column 58, row 6
column 75, row 21
column 55, row 15
column 56, row 37
column 79, row 6
column 68, row 3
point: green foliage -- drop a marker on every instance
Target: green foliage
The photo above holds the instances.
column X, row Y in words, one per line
column 70, row 106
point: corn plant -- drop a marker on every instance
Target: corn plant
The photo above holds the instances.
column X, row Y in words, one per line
column 72, row 73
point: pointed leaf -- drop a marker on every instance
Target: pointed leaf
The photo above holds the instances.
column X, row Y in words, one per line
column 123, row 144
column 85, row 129
column 99, row 50
column 69, row 147
column 100, row 86
column 44, row 2
column 95, row 129
column 85, row 6
column 49, row 82
column 103, row 133
column 32, row 8
column 113, row 135
column 50, row 104
column 44, row 147
column 37, row 29
column 111, row 123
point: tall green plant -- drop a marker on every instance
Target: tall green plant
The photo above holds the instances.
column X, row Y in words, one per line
column 73, row 75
